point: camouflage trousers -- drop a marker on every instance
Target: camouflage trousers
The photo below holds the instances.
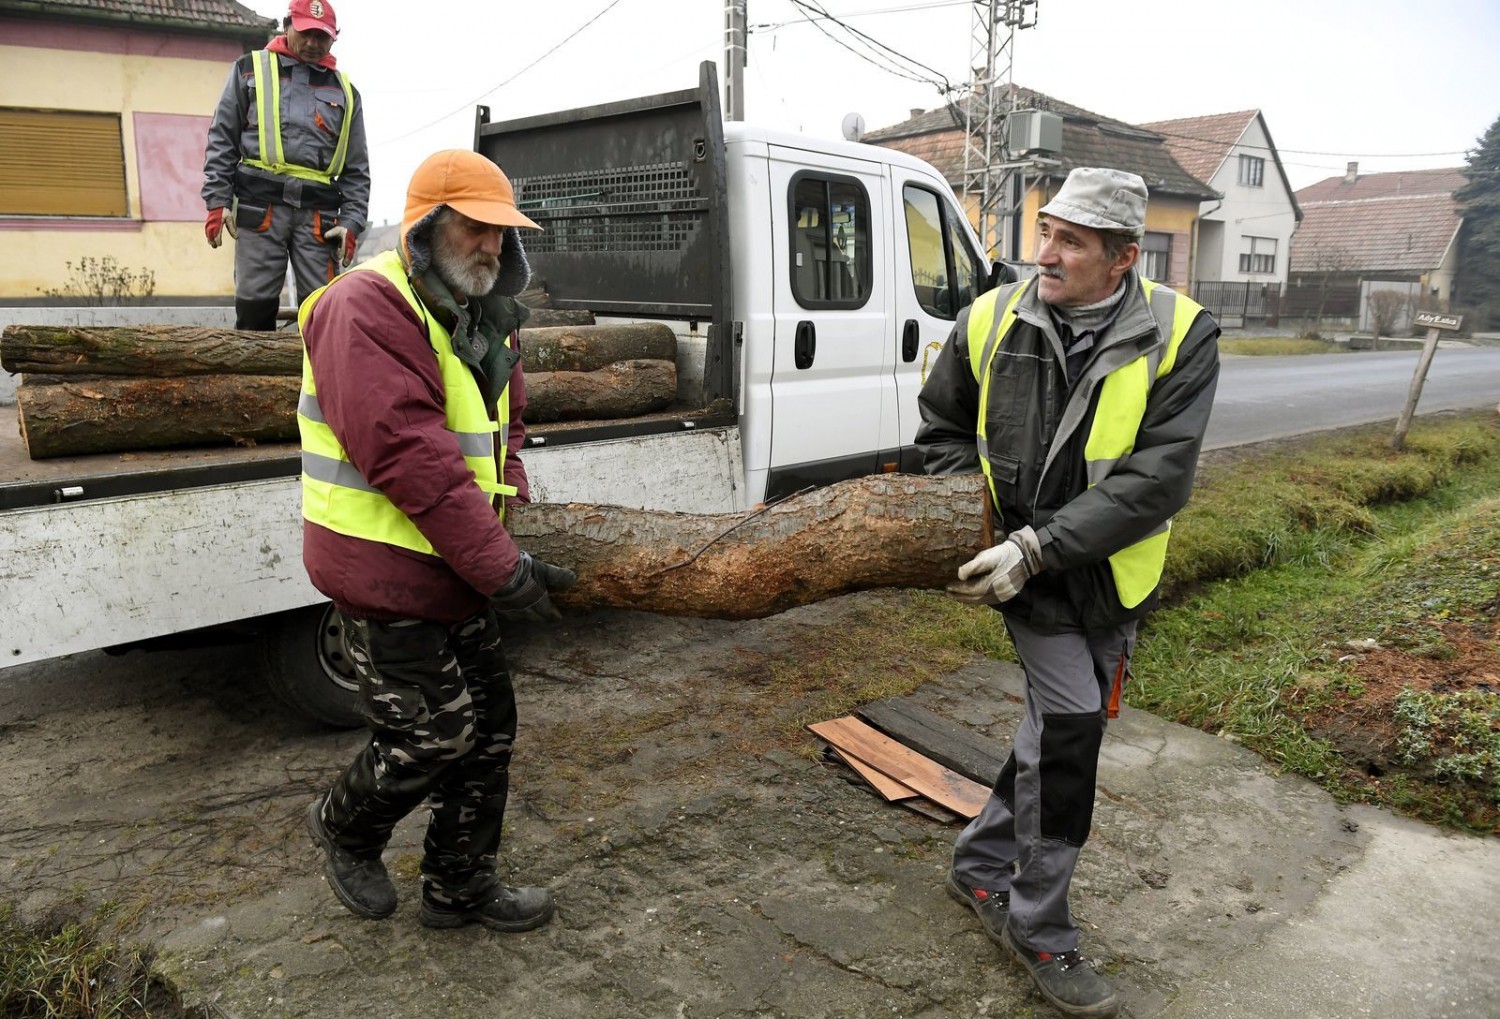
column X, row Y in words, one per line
column 442, row 718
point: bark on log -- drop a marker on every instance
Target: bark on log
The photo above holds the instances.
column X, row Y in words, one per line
column 535, row 297
column 103, row 415
column 889, row 530
column 589, row 348
column 155, row 351
column 547, row 317
column 160, row 351
column 619, row 390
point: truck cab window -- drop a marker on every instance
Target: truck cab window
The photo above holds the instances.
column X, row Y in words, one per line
column 944, row 270
column 830, row 259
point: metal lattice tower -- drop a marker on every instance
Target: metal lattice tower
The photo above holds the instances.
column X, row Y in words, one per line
column 986, row 108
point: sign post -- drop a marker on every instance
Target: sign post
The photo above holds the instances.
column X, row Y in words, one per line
column 1435, row 324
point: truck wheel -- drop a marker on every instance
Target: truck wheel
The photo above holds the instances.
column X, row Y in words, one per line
column 308, row 667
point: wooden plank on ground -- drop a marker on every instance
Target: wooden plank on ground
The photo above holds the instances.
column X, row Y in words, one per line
column 941, row 785
column 887, row 787
column 943, row 740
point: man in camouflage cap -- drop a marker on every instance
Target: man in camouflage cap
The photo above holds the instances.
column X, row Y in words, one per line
column 1088, row 389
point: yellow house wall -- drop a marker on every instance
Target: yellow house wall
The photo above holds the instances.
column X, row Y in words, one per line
column 177, row 252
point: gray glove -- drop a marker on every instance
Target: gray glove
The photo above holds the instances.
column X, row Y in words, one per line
column 525, row 596
column 997, row 574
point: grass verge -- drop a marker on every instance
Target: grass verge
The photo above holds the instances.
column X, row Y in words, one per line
column 1264, row 346
column 1332, row 605
column 77, row 967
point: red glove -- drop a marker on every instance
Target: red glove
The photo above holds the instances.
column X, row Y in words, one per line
column 343, row 241
column 213, row 227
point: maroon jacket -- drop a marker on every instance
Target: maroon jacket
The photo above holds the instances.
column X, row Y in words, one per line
column 380, row 390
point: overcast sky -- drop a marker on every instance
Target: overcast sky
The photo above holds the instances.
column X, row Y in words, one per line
column 1391, row 84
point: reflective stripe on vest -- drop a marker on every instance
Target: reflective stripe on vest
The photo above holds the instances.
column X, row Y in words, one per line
column 335, row 494
column 268, row 111
column 1137, row 568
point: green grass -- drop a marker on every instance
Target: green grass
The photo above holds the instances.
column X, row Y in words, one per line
column 1278, row 562
column 76, row 968
column 1264, row 346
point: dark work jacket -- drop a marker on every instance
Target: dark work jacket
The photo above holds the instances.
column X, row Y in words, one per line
column 1037, row 430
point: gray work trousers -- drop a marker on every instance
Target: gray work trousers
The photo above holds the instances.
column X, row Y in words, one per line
column 1027, row 838
column 285, row 233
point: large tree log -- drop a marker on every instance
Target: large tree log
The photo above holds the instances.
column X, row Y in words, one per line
column 160, row 351
column 620, row 390
column 547, row 317
column 102, row 415
column 589, row 348
column 155, row 351
column 889, row 530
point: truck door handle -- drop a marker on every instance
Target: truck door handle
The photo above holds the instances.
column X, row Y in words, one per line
column 805, row 346
column 911, row 335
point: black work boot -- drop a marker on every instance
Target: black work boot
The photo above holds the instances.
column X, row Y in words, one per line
column 993, row 908
column 361, row 885
column 258, row 314
column 1065, row 980
column 501, row 908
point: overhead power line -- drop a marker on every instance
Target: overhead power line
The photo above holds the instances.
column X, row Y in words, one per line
column 878, row 50
column 495, row 88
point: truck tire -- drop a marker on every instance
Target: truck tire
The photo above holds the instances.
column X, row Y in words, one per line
column 308, row 668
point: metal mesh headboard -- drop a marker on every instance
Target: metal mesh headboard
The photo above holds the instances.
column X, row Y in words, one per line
column 631, row 199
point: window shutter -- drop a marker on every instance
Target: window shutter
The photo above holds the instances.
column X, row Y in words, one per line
column 61, row 163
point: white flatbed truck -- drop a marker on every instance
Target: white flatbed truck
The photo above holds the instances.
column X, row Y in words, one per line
column 809, row 282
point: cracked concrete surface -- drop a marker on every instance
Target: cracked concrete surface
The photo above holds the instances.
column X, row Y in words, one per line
column 697, row 877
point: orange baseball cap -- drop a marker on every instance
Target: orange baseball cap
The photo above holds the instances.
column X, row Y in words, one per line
column 465, row 182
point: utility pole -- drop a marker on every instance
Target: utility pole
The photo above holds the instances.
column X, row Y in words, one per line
column 989, row 171
column 735, row 38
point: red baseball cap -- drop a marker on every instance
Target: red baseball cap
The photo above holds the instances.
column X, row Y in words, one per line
column 314, row 16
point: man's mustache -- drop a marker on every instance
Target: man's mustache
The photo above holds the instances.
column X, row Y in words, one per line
column 1056, row 274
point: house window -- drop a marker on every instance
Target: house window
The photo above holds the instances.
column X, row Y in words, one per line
column 1252, row 171
column 1156, row 256
column 1259, row 255
column 944, row 269
column 831, row 262
column 61, row 163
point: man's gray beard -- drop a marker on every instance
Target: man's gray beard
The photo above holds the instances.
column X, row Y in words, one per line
column 463, row 276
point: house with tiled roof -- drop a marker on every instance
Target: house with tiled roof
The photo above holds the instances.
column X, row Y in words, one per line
column 1385, row 231
column 1244, row 236
column 1087, row 139
column 104, row 114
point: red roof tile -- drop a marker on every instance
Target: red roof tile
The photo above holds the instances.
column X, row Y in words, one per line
column 1390, row 222
column 1088, row 139
column 223, row 16
column 1404, row 183
column 1201, row 144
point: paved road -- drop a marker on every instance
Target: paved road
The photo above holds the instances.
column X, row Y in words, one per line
column 1264, row 398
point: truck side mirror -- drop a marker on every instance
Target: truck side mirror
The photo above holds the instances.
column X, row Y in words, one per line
column 1000, row 273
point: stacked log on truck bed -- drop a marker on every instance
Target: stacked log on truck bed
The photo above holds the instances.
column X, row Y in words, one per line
column 99, row 389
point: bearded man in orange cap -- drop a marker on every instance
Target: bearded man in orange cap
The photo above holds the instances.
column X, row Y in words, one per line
column 410, row 417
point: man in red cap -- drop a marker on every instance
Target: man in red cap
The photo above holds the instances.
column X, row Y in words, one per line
column 286, row 171
column 410, row 416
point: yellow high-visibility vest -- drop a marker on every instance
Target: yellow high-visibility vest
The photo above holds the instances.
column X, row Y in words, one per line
column 268, row 124
column 1137, row 568
column 334, row 493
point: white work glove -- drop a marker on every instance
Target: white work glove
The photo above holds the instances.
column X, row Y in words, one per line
column 344, row 240
column 997, row 574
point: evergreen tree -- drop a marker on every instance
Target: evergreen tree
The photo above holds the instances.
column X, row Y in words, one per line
column 1479, row 265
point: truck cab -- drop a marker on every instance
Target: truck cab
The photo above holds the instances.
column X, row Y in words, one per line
column 812, row 280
